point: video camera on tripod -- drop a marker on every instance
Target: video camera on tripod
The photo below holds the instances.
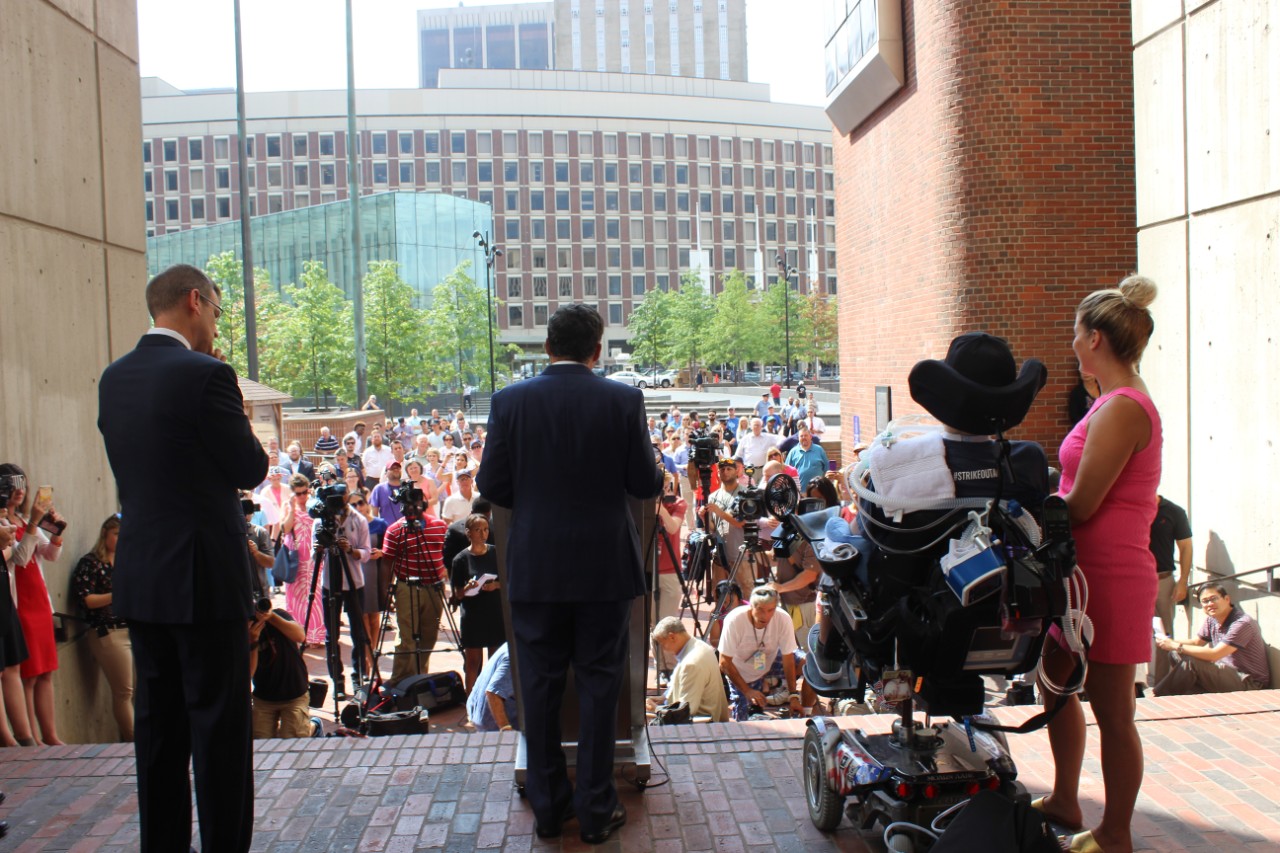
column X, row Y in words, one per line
column 327, row 506
column 748, row 507
column 412, row 505
column 704, row 449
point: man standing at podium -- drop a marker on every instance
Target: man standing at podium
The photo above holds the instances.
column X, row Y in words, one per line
column 573, row 560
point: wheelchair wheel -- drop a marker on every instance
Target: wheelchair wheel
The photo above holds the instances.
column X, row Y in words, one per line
column 825, row 805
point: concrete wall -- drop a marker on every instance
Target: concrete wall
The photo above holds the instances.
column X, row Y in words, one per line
column 1207, row 117
column 71, row 263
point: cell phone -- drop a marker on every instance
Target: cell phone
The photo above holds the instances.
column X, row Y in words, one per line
column 54, row 528
column 44, row 494
column 833, row 466
column 668, row 499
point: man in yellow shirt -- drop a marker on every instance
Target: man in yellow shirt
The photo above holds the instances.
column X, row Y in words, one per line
column 696, row 678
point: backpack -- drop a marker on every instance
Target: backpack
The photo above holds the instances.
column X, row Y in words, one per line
column 432, row 692
column 993, row 823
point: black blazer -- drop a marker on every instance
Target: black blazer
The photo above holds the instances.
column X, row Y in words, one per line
column 306, row 468
column 564, row 450
column 180, row 447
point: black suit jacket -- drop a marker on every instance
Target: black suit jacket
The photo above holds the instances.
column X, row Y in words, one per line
column 306, row 468
column 564, row 450
column 180, row 446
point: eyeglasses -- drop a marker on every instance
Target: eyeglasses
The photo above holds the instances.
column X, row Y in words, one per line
column 357, row 504
column 217, row 309
column 1213, row 599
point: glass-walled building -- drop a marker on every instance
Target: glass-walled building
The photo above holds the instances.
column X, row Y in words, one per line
column 427, row 233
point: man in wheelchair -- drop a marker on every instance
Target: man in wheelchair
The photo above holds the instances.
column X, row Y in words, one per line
column 944, row 579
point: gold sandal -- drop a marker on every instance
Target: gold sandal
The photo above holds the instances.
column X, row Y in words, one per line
column 1084, row 843
column 1038, row 805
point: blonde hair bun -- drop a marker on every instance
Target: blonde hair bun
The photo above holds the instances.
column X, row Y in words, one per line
column 1138, row 290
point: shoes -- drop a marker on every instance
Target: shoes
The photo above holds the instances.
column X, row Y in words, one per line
column 1038, row 805
column 779, row 697
column 553, row 831
column 1084, row 842
column 615, row 822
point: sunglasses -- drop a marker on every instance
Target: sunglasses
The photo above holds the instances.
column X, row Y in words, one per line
column 357, row 504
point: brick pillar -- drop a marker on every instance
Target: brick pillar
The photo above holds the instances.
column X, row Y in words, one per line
column 992, row 192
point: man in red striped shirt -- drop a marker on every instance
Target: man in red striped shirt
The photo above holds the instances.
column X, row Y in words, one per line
column 414, row 545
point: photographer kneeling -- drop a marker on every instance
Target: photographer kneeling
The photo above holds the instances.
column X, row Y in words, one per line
column 279, row 673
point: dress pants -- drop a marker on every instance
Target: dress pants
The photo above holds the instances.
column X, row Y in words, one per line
column 418, row 609
column 192, row 705
column 592, row 637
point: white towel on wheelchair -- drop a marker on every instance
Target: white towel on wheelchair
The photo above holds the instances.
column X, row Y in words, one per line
column 910, row 474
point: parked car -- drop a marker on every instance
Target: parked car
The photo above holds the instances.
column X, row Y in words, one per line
column 630, row 377
column 751, row 376
column 663, row 378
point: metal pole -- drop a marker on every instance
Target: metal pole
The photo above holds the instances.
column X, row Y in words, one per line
column 786, row 272
column 491, row 255
column 353, row 196
column 246, row 237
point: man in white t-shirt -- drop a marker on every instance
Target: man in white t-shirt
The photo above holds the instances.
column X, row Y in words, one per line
column 753, row 448
column 758, row 641
column 458, row 505
column 376, row 457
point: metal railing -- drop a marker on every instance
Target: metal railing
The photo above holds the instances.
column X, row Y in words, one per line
column 1272, row 585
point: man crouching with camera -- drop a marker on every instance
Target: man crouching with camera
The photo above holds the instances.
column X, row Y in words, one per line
column 280, row 690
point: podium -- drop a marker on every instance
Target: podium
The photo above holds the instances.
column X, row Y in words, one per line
column 632, row 747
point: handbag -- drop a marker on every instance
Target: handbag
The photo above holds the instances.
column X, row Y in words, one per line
column 285, row 569
column 674, row 714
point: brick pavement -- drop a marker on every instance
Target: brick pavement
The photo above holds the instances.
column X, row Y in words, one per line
column 1213, row 783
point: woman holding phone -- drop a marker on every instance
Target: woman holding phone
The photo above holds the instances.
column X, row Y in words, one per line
column 38, row 533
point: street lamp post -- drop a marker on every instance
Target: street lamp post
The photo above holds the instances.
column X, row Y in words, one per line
column 491, row 255
column 786, row 272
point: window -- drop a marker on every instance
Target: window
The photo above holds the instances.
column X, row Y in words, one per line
column 791, row 232
column 195, row 151
column 458, row 171
column 484, row 143
column 171, row 210
column 458, row 142
column 726, row 203
column 611, row 200
column 791, row 205
column 683, row 230
column 539, row 315
column 586, row 144
column 301, row 200
column 637, row 285
column 146, row 151
column 589, row 257
column 659, row 173
column 829, row 207
column 771, row 204
column 484, row 172
column 610, row 144
column 560, row 143
column 513, row 287
column 682, row 146
column 146, row 181
column 512, row 201
column 704, row 202
column 564, row 259
column 682, row 202
column 513, row 258
column 535, row 171
column 789, row 152
column 589, row 286
column 273, row 145
column 660, row 256
column 766, row 151
column 563, row 229
column 637, row 229
column 808, row 152
column 613, row 256
column 223, row 205
column 588, row 226
column 406, row 172
column 726, row 176
column 660, row 231
column 705, row 231
column 275, row 175
column 535, row 143
column 249, row 149
column 566, row 287
column 432, row 170
column 539, row 286
column 275, row 203
column 299, row 145
column 328, row 198
column 431, row 142
column 771, row 232
column 538, row 229
column 380, row 173
column 635, row 200
column 637, row 256
column 195, row 180
column 770, row 179
column 151, row 211
column 562, row 199
column 748, row 176
column 300, row 174
column 171, row 180
column 171, row 151
column 658, row 145
column 610, row 173
column 682, row 258
column 512, row 228
column 748, row 204
column 615, row 314
column 539, row 253
column 615, row 285
column 704, row 175
column 730, row 258
column 682, row 174
column 326, row 145
column 588, row 200
column 561, row 172
column 378, row 143
column 406, row 142
column 749, row 232
column 537, row 200
column 727, row 230
column 587, row 172
column 515, row 316
column 611, row 230
column 704, row 148
column 660, row 201
column 634, row 173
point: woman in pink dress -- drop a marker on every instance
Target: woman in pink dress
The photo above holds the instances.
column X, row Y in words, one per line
column 1110, row 473
column 296, row 525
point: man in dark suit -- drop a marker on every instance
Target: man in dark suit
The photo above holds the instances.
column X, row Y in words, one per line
column 182, row 574
column 573, row 559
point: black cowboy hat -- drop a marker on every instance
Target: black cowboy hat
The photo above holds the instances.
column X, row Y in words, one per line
column 978, row 388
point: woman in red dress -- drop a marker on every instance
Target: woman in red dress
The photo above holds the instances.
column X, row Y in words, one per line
column 35, row 609
column 295, row 527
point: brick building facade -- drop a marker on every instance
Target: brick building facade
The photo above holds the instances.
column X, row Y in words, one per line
column 991, row 192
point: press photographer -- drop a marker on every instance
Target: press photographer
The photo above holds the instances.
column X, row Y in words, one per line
column 414, row 544
column 261, row 553
column 279, row 673
column 340, row 541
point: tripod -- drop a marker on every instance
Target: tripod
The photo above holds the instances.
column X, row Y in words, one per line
column 409, row 608
column 342, row 591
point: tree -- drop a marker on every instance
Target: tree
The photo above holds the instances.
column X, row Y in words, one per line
column 316, row 337
column 226, row 271
column 822, row 342
column 394, row 339
column 650, row 324
column 775, row 306
column 691, row 310
column 456, row 328
column 734, row 334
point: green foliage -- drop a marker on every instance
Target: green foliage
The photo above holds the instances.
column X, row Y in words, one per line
column 394, row 334
column 776, row 305
column 821, row 343
column 691, row 312
column 313, row 340
column 652, row 332
column 226, row 271
column 456, row 327
column 735, row 336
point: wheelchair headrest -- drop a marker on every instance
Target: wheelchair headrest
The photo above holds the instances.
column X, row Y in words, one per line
column 813, row 525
